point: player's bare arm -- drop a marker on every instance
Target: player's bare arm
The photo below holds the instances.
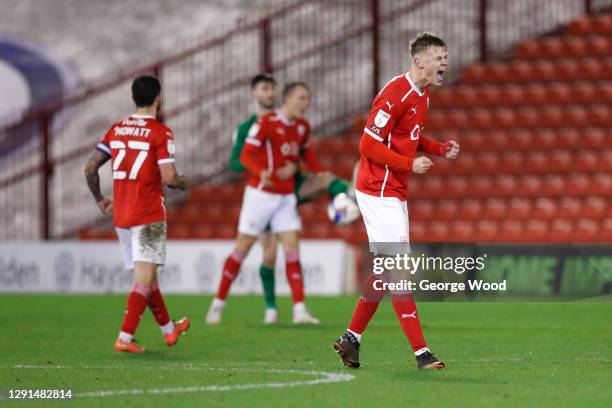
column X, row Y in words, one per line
column 97, row 160
column 172, row 179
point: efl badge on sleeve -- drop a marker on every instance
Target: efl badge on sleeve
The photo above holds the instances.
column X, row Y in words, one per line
column 381, row 118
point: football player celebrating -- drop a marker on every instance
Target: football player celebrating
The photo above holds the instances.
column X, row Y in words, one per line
column 308, row 186
column 141, row 150
column 273, row 148
column 390, row 139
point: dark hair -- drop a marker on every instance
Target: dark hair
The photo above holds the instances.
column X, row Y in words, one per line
column 424, row 41
column 144, row 90
column 290, row 87
column 262, row 78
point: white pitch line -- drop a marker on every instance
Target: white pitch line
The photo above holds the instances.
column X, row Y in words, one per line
column 326, row 378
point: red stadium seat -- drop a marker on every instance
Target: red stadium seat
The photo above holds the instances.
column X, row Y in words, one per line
column 421, row 210
column 447, row 210
column 601, row 184
column 486, row 231
column 594, row 208
column 544, row 208
column 586, row 231
column 536, row 231
column 558, row 161
column 495, row 209
column 605, row 233
column 529, row 186
column 569, row 208
column 178, row 231
column 511, row 231
column 461, row 231
column 438, row 231
column 561, row 231
column 201, row 231
column 505, row 185
column 553, row 185
column 471, row 209
column 585, row 161
column 418, row 231
column 519, row 209
column 595, row 138
column 578, row 185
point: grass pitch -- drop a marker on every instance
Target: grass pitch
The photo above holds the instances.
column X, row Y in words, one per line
column 498, row 354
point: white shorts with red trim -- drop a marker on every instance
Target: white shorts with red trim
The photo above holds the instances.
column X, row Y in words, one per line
column 261, row 208
column 386, row 221
column 144, row 243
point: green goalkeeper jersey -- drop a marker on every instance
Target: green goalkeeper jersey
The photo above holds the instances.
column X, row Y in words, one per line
column 240, row 134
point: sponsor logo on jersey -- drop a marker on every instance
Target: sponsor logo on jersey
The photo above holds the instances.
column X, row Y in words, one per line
column 381, row 118
column 376, row 130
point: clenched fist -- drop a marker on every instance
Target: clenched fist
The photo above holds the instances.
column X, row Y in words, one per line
column 452, row 149
column 106, row 205
column 420, row 165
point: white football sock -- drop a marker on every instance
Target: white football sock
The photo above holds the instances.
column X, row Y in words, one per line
column 127, row 337
column 357, row 335
column 218, row 303
column 421, row 351
column 167, row 328
column 299, row 307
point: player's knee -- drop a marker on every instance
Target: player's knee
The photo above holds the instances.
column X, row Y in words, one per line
column 244, row 242
column 142, row 288
column 269, row 260
column 292, row 255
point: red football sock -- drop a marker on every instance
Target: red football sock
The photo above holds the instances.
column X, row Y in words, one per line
column 136, row 304
column 293, row 270
column 231, row 268
column 406, row 312
column 366, row 305
column 158, row 306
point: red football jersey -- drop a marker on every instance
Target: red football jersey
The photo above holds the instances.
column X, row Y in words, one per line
column 272, row 142
column 397, row 119
column 137, row 146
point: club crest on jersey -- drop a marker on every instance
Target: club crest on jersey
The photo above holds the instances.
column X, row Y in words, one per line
column 381, row 118
column 290, row 149
column 301, row 130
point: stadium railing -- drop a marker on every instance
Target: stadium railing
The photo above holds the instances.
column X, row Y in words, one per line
column 345, row 50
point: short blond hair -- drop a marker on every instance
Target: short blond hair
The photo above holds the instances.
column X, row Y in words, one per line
column 424, row 41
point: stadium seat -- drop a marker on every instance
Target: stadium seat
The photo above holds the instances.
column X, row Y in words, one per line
column 471, row 209
column 461, row 231
column 447, row 210
column 421, row 210
column 495, row 209
column 553, row 185
column 561, row 231
column 519, row 209
column 536, row 231
column 586, row 230
column 486, row 231
column 569, row 208
column 511, row 231
column 544, row 209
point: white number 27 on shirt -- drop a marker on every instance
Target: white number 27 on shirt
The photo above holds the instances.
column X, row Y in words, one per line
column 143, row 148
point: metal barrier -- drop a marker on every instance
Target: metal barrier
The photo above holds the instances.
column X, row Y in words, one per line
column 345, row 50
